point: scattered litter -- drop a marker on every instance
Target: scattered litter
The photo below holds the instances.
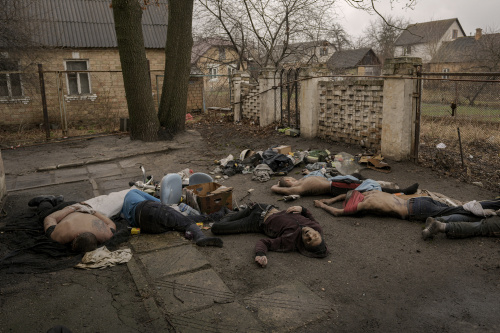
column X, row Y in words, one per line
column 291, row 197
column 102, row 258
column 441, row 146
column 224, row 161
column 346, row 164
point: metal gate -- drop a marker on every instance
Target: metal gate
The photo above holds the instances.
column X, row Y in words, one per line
column 289, row 98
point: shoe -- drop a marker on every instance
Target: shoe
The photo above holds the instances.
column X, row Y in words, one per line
column 36, row 201
column 431, row 228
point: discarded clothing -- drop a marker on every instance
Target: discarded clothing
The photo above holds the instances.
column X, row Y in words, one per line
column 262, row 173
column 108, row 205
column 277, row 162
column 351, row 204
column 102, row 258
column 83, row 208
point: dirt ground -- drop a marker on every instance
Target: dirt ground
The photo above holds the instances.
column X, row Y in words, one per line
column 380, row 276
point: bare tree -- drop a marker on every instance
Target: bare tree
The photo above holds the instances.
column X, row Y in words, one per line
column 381, row 34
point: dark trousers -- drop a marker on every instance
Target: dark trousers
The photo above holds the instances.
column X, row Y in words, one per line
column 489, row 227
column 45, row 208
column 154, row 218
column 247, row 220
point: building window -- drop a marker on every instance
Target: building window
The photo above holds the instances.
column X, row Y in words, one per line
column 231, row 69
column 407, row 50
column 78, row 82
column 222, row 54
column 454, row 34
column 212, row 73
column 445, row 70
column 10, row 83
column 323, row 51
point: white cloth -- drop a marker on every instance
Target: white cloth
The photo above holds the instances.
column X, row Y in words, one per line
column 108, row 205
column 83, row 208
column 475, row 208
column 102, row 258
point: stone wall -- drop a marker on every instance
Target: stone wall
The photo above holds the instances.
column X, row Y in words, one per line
column 351, row 112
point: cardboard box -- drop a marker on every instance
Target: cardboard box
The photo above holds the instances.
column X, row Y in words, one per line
column 283, row 149
column 210, row 197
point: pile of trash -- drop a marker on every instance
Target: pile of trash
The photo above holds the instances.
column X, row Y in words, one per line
column 280, row 160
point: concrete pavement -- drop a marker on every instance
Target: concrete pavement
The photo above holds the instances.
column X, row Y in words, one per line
column 179, row 287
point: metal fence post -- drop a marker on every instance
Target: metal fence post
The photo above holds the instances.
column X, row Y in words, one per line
column 44, row 102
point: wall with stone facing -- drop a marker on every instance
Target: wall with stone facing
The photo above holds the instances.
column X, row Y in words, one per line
column 3, row 187
column 351, row 111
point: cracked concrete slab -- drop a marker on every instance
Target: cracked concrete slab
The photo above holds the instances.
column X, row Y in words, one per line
column 147, row 242
column 103, row 170
column 193, row 291
column 70, row 175
column 35, row 180
column 175, row 260
column 288, row 306
column 231, row 317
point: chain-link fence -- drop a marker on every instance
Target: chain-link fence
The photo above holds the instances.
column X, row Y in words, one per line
column 460, row 123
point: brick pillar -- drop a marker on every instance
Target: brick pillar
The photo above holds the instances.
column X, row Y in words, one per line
column 3, row 187
column 267, row 96
column 399, row 107
column 309, row 100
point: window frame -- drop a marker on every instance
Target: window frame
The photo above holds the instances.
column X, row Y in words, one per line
column 213, row 76
column 9, row 79
column 78, row 78
column 445, row 70
column 323, row 51
column 454, row 34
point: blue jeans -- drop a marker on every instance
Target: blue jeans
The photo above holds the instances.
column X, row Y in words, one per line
column 489, row 227
column 130, row 202
column 420, row 208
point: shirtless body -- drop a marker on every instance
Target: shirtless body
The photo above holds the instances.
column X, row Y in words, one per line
column 317, row 185
column 69, row 224
column 375, row 202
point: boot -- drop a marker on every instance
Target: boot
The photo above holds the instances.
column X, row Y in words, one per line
column 51, row 198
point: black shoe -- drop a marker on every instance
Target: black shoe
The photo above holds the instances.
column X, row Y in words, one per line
column 35, row 202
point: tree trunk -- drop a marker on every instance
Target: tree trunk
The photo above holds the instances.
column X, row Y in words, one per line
column 173, row 103
column 144, row 123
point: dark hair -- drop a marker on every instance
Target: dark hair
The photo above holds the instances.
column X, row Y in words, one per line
column 283, row 183
column 318, row 251
column 84, row 242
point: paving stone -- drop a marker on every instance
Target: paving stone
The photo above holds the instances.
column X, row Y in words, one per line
column 69, row 175
column 192, row 291
column 103, row 170
column 287, row 307
column 135, row 162
column 231, row 317
column 10, row 182
column 147, row 243
column 35, row 180
column 175, row 260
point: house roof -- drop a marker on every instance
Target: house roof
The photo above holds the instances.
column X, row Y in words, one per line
column 425, row 32
column 89, row 23
column 297, row 51
column 202, row 46
column 348, row 58
column 464, row 49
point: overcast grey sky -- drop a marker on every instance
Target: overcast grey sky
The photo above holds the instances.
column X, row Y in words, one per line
column 472, row 14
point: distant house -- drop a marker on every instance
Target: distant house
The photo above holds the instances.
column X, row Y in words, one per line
column 361, row 61
column 212, row 57
column 478, row 53
column 73, row 35
column 306, row 53
column 422, row 40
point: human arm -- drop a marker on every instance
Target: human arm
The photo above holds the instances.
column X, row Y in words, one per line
column 285, row 190
column 332, row 210
column 106, row 220
column 333, row 200
column 56, row 217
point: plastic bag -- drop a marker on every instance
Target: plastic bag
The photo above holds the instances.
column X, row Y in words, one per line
column 346, row 164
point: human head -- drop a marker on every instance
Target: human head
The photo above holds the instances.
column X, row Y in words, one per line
column 314, row 244
column 84, row 242
column 287, row 181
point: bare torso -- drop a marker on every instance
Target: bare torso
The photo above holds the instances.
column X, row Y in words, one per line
column 313, row 185
column 381, row 203
column 75, row 223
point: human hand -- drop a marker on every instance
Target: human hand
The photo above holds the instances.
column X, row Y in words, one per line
column 318, row 203
column 261, row 260
column 294, row 209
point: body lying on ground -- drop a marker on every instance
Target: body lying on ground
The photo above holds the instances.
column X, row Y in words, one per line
column 144, row 211
column 314, row 184
column 75, row 223
column 470, row 226
column 294, row 229
column 414, row 209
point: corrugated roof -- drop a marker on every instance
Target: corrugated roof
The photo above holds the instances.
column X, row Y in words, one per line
column 466, row 49
column 89, row 23
column 425, row 32
column 348, row 58
column 200, row 47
